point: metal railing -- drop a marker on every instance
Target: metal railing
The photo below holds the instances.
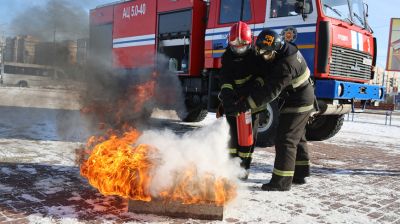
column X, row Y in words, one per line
column 388, row 115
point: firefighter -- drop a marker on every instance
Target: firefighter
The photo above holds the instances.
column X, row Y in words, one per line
column 238, row 85
column 288, row 79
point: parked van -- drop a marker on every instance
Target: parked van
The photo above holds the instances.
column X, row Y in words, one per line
column 30, row 75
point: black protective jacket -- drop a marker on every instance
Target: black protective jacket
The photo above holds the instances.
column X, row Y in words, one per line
column 288, row 78
column 239, row 77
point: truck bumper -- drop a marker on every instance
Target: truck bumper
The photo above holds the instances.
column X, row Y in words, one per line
column 333, row 89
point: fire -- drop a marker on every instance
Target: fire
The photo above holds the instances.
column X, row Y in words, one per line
column 191, row 187
column 117, row 166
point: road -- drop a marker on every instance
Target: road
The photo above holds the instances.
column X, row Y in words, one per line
column 355, row 175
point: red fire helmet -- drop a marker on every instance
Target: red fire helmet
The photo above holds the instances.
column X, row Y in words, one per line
column 240, row 37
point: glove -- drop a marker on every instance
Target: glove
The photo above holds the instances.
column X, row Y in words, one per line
column 236, row 108
column 258, row 95
column 242, row 105
column 256, row 92
column 228, row 96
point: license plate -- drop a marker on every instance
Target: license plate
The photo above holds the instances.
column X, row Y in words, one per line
column 367, row 61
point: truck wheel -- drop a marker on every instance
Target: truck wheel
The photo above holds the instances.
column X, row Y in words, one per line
column 268, row 125
column 195, row 115
column 145, row 114
column 22, row 84
column 324, row 127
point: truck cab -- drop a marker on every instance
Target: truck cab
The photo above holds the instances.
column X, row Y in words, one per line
column 188, row 38
column 333, row 36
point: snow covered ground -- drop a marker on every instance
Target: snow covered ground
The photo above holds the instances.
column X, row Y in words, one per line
column 355, row 176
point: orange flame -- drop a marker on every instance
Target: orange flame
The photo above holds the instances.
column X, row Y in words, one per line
column 116, row 167
column 191, row 187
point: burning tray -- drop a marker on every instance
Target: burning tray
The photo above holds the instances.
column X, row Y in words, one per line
column 177, row 209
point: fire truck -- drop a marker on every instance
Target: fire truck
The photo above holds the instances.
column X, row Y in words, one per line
column 333, row 36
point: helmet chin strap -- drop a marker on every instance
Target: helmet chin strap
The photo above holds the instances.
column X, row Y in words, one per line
column 269, row 57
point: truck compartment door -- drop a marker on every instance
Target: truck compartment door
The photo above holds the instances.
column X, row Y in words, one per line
column 134, row 34
column 223, row 14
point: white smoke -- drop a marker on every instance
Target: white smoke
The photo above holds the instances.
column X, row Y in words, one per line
column 206, row 148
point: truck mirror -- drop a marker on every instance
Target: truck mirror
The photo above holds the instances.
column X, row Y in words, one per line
column 366, row 9
column 303, row 8
column 298, row 7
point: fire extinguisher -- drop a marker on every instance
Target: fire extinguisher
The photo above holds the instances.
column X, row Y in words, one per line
column 244, row 128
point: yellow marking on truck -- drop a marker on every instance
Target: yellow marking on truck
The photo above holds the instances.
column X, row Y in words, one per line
column 214, row 51
column 306, row 46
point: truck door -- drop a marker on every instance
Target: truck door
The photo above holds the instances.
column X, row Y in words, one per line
column 134, row 34
column 101, row 26
column 281, row 17
column 223, row 14
column 174, row 33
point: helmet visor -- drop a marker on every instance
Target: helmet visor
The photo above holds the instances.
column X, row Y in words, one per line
column 238, row 42
column 240, row 49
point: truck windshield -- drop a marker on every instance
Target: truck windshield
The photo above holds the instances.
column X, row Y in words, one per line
column 357, row 9
column 230, row 11
column 338, row 9
column 351, row 11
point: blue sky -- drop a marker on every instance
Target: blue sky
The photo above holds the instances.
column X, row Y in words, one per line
column 380, row 13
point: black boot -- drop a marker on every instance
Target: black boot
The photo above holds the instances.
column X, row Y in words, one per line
column 272, row 187
column 245, row 176
column 299, row 180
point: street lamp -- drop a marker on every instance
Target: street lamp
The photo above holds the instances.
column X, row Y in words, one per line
column 2, row 53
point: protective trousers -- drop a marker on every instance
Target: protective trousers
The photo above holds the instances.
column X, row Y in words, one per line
column 292, row 159
column 235, row 150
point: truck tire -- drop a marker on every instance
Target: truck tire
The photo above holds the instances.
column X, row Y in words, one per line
column 23, row 84
column 268, row 125
column 195, row 115
column 324, row 127
column 145, row 114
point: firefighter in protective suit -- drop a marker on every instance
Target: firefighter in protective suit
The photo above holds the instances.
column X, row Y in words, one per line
column 238, row 84
column 287, row 78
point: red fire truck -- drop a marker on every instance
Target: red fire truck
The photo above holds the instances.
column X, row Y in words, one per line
column 333, row 35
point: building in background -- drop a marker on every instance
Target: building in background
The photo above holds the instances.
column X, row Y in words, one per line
column 28, row 49
column 71, row 51
column 379, row 76
column 56, row 54
column 81, row 54
column 391, row 81
column 393, row 55
column 20, row 49
column 69, row 55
